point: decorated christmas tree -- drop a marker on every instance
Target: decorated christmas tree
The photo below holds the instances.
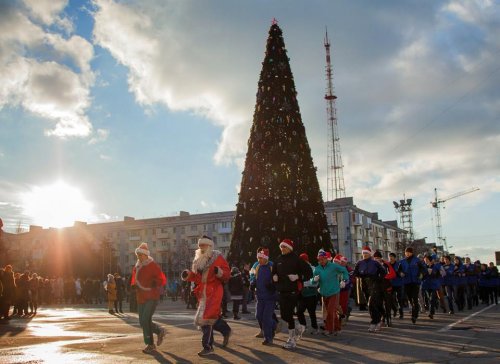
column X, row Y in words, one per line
column 279, row 196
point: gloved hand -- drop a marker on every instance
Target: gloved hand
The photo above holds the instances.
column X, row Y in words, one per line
column 270, row 286
column 342, row 284
column 275, row 278
column 293, row 277
column 184, row 274
column 316, row 278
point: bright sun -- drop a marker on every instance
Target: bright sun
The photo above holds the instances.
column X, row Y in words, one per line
column 56, row 205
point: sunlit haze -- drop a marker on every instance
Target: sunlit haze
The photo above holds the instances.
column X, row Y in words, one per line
column 56, row 205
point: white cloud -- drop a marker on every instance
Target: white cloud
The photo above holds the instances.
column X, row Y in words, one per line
column 36, row 69
column 165, row 66
column 101, row 136
column 48, row 11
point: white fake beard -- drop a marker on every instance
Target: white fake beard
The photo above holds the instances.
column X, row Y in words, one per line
column 201, row 259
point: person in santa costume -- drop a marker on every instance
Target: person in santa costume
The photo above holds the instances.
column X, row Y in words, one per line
column 289, row 271
column 345, row 292
column 147, row 278
column 209, row 272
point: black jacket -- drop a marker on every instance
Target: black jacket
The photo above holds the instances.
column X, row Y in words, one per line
column 290, row 264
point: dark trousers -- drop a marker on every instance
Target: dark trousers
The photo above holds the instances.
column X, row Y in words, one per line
column 244, row 302
column 207, row 340
column 470, row 290
column 397, row 299
column 431, row 300
column 460, row 296
column 412, row 290
column 119, row 305
column 288, row 302
column 236, row 306
column 307, row 303
column 376, row 305
column 450, row 295
column 264, row 315
column 146, row 311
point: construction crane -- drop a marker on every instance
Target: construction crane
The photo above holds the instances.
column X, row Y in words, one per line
column 437, row 204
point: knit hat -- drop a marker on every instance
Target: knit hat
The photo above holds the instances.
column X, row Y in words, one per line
column 322, row 254
column 366, row 250
column 304, row 256
column 263, row 253
column 205, row 240
column 143, row 249
column 287, row 243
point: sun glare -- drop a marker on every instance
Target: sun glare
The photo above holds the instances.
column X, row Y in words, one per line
column 56, row 205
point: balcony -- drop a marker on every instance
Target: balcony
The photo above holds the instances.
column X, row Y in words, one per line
column 224, row 230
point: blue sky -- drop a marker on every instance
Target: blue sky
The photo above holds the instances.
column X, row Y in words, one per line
column 143, row 108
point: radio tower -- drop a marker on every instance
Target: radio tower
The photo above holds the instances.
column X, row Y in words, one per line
column 335, row 173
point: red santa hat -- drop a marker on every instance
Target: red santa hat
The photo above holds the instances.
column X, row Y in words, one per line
column 366, row 250
column 143, row 249
column 263, row 253
column 304, row 256
column 287, row 243
column 205, row 240
column 338, row 258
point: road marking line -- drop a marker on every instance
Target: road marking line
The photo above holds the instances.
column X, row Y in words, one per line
column 446, row 328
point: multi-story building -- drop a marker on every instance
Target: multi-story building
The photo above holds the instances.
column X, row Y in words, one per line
column 351, row 228
column 172, row 240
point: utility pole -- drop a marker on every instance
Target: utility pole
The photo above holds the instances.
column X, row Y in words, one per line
column 437, row 204
column 335, row 169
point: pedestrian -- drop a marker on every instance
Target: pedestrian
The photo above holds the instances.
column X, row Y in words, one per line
column 397, row 288
column 386, row 287
column 261, row 281
column 147, row 278
column 209, row 271
column 327, row 275
column 110, row 287
column 431, row 283
column 245, row 274
column 471, row 288
column 308, row 300
column 459, row 274
column 34, row 286
column 235, row 285
column 288, row 271
column 9, row 292
column 345, row 292
column 120, row 293
column 371, row 275
column 412, row 271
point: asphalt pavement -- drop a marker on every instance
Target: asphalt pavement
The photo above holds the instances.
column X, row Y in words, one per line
column 84, row 333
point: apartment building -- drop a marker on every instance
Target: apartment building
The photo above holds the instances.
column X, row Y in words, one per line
column 172, row 240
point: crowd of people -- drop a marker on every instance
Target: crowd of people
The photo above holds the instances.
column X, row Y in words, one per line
column 24, row 292
column 386, row 288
